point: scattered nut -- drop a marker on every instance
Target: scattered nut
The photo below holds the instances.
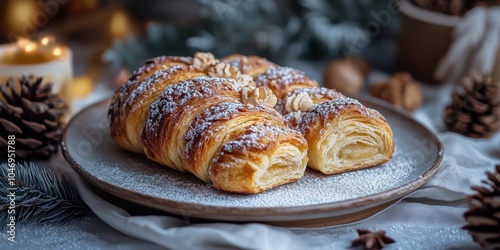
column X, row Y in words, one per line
column 204, row 59
column 298, row 102
column 258, row 96
column 344, row 76
column 401, row 90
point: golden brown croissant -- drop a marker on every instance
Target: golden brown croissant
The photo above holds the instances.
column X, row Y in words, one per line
column 200, row 117
column 131, row 102
column 117, row 114
column 282, row 80
column 192, row 122
column 342, row 134
column 135, row 107
column 249, row 65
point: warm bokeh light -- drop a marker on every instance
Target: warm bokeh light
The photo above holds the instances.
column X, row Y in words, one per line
column 44, row 41
column 27, row 51
column 19, row 13
column 57, row 51
column 119, row 24
column 22, row 42
column 29, row 47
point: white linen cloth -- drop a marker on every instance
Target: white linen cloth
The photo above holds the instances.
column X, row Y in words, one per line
column 429, row 218
column 476, row 44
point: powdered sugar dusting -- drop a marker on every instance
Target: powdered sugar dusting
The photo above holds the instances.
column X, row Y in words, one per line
column 247, row 64
column 282, row 77
column 150, row 65
column 121, row 95
column 323, row 111
column 252, row 138
column 174, row 96
column 222, row 112
column 150, row 84
column 133, row 172
column 318, row 93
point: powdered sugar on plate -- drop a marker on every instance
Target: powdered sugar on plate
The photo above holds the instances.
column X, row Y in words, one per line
column 415, row 153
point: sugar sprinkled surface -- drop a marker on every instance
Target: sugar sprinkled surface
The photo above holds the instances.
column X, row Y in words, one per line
column 246, row 64
column 222, row 112
column 317, row 93
column 176, row 95
column 150, row 84
column 134, row 172
column 283, row 76
column 253, row 136
column 323, row 111
column 151, row 65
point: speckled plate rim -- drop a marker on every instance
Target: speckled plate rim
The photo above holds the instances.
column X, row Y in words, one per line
column 263, row 214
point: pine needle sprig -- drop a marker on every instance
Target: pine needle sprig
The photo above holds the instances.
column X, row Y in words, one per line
column 42, row 196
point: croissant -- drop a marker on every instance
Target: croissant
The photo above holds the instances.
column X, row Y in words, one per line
column 249, row 65
column 197, row 118
column 282, row 80
column 342, row 134
column 123, row 131
column 131, row 102
column 137, row 104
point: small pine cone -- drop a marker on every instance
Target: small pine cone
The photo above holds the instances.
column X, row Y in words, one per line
column 30, row 112
column 475, row 112
column 483, row 216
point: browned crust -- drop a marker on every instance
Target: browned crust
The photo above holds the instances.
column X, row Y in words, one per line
column 328, row 112
column 208, row 123
column 116, row 113
column 250, row 65
column 163, row 120
column 154, row 84
column 282, row 80
column 233, row 153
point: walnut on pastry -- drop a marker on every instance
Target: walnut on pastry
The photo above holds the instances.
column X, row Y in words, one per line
column 191, row 122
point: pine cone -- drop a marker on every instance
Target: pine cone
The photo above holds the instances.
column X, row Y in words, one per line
column 483, row 216
column 33, row 114
column 476, row 112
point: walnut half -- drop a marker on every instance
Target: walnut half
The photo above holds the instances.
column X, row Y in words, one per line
column 298, row 102
column 258, row 96
column 202, row 59
column 221, row 69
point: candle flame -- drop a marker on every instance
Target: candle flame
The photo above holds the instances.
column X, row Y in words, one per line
column 46, row 40
column 29, row 47
column 57, row 52
column 21, row 42
column 26, row 44
column 36, row 51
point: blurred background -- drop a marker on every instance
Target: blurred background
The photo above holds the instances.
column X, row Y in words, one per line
column 110, row 37
column 125, row 33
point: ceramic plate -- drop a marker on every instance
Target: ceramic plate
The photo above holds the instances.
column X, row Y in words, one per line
column 316, row 200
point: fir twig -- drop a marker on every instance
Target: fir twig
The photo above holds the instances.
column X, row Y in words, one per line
column 41, row 196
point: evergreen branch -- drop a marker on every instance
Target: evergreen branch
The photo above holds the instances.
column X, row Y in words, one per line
column 41, row 196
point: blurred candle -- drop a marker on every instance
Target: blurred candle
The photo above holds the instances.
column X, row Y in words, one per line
column 43, row 58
